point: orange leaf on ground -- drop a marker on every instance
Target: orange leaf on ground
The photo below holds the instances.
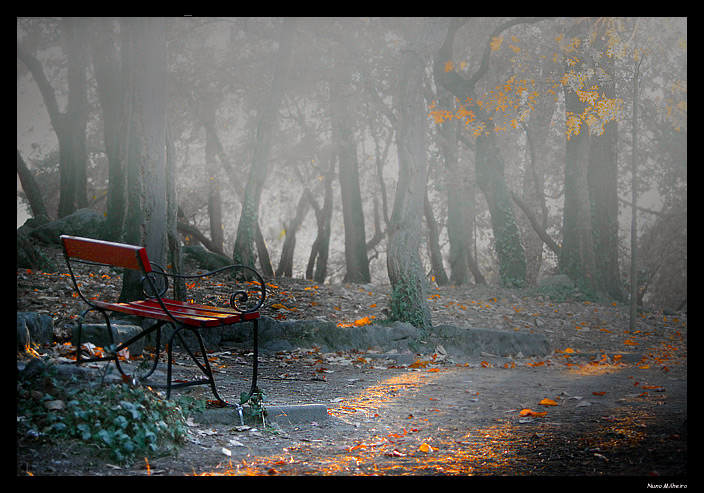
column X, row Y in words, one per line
column 599, row 393
column 548, row 402
column 425, row 448
column 529, row 412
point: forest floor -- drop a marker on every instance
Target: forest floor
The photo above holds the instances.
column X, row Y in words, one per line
column 606, row 402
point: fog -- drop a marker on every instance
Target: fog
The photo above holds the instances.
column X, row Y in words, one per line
column 220, row 71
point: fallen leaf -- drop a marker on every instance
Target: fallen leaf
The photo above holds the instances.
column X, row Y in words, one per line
column 548, row 402
column 599, row 393
column 530, row 412
column 395, row 453
column 425, row 448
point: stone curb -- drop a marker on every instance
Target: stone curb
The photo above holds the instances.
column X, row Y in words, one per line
column 282, row 415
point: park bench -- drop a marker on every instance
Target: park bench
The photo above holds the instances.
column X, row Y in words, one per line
column 244, row 302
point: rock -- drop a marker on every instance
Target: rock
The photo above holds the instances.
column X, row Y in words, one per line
column 31, row 257
column 397, row 336
column 473, row 341
column 83, row 222
column 32, row 223
column 34, row 328
column 98, row 334
column 559, row 287
column 557, row 281
column 205, row 259
column 30, row 370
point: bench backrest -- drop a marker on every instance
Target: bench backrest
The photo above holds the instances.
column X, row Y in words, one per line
column 106, row 252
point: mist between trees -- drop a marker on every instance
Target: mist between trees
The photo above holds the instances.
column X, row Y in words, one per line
column 411, row 151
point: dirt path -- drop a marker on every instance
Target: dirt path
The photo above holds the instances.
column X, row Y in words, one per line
column 602, row 418
column 614, row 402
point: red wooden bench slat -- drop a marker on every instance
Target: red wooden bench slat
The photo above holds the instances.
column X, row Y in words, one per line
column 106, row 252
column 186, row 313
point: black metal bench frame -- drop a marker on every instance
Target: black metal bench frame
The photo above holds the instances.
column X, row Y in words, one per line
column 244, row 306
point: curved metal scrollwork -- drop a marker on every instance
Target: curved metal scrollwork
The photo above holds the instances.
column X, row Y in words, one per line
column 159, row 284
column 250, row 297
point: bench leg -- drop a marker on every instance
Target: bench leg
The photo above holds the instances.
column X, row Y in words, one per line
column 113, row 355
column 255, row 362
column 204, row 366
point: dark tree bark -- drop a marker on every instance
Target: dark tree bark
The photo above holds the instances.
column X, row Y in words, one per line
column 577, row 253
column 69, row 126
column 602, row 178
column 408, row 298
column 30, row 187
column 145, row 144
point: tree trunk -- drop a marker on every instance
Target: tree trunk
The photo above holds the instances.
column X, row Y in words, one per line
column 489, row 162
column 217, row 233
column 110, row 87
column 285, row 267
column 434, row 245
column 603, row 180
column 70, row 126
column 244, row 250
column 577, row 253
column 318, row 260
column 408, row 297
column 457, row 199
column 30, row 187
column 145, row 145
column 341, row 92
column 537, row 131
column 175, row 259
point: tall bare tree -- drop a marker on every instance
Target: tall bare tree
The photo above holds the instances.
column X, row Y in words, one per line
column 244, row 251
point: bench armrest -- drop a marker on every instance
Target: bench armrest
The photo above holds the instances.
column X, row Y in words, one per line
column 246, row 298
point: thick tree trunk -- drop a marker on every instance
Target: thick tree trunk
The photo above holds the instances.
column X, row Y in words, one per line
column 577, row 253
column 408, row 298
column 145, row 144
column 602, row 177
column 458, row 233
column 244, row 251
column 217, row 233
column 533, row 183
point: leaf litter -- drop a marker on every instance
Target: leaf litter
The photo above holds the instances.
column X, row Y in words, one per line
column 590, row 341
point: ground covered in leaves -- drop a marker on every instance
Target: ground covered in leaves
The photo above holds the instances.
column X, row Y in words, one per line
column 606, row 402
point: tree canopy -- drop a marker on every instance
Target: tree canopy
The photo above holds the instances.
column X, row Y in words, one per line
column 523, row 125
